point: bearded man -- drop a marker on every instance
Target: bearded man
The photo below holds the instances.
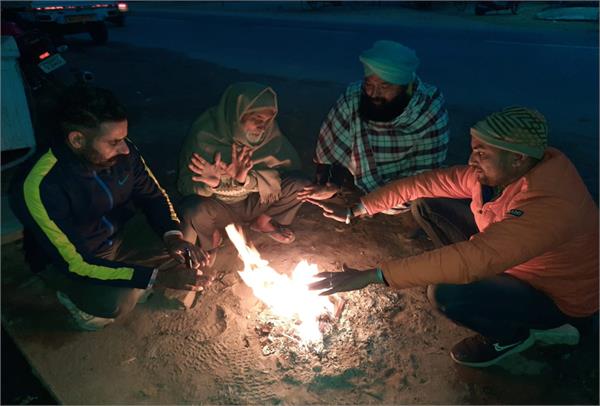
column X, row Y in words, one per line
column 74, row 203
column 389, row 126
column 518, row 265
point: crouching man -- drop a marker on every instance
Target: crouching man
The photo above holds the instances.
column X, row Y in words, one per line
column 74, row 203
column 520, row 266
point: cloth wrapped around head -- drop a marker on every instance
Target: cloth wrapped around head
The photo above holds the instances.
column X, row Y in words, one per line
column 390, row 61
column 516, row 129
column 221, row 126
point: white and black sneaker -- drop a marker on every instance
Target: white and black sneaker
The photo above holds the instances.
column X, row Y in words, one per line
column 83, row 320
column 562, row 335
column 480, row 352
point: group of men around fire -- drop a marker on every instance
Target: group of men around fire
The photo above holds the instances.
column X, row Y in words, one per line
column 515, row 231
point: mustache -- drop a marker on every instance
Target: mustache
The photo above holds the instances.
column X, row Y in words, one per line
column 380, row 109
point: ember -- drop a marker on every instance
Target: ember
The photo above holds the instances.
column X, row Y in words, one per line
column 288, row 298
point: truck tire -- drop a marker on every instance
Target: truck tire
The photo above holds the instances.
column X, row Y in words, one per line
column 99, row 32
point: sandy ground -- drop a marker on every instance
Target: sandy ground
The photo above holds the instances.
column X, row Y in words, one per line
column 388, row 347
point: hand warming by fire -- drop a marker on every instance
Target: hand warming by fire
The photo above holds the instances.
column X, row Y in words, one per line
column 289, row 298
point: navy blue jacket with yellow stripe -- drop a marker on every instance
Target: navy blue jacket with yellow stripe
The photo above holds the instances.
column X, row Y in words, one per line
column 75, row 212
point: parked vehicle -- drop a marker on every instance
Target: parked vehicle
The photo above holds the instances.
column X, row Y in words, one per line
column 117, row 14
column 63, row 18
column 44, row 74
column 41, row 61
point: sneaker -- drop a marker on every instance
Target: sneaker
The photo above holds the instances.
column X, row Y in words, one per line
column 480, row 352
column 83, row 320
column 562, row 335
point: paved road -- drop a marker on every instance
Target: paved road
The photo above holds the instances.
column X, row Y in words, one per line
column 477, row 70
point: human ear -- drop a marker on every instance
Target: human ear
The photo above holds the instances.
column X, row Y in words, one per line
column 76, row 139
column 518, row 160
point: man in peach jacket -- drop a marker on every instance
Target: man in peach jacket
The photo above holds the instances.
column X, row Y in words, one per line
column 520, row 266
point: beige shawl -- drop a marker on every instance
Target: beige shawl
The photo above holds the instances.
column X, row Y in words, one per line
column 219, row 127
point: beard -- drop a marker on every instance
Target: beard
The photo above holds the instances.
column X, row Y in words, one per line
column 98, row 161
column 378, row 109
column 254, row 137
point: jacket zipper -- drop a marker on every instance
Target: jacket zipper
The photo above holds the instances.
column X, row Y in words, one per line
column 111, row 228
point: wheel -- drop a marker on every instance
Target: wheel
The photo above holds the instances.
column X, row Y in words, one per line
column 99, row 33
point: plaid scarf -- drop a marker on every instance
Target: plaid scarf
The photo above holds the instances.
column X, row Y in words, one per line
column 377, row 152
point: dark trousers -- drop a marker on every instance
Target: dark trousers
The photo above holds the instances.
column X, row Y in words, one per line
column 201, row 216
column 104, row 300
column 501, row 307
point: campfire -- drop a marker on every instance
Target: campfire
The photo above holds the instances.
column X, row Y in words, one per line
column 288, row 298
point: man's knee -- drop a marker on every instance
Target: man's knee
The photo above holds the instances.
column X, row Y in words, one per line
column 294, row 183
column 194, row 208
column 444, row 297
column 420, row 210
column 110, row 303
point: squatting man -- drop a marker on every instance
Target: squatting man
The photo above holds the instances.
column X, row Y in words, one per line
column 519, row 265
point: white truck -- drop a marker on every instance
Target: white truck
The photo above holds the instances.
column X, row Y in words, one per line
column 66, row 17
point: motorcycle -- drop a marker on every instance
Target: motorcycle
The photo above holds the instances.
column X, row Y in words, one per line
column 41, row 61
column 46, row 75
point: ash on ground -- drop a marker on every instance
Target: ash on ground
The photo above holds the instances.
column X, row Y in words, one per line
column 357, row 343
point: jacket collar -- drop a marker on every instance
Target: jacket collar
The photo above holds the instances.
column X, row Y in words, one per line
column 71, row 161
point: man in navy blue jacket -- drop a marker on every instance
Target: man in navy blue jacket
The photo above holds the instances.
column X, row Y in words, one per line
column 76, row 199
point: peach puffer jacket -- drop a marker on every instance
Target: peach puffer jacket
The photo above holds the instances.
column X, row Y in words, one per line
column 543, row 229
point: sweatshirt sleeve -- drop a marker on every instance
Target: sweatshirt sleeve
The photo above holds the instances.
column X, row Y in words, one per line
column 45, row 210
column 456, row 182
column 501, row 246
column 152, row 198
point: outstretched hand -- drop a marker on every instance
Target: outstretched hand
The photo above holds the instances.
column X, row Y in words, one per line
column 318, row 192
column 186, row 253
column 206, row 172
column 181, row 277
column 331, row 210
column 347, row 280
column 241, row 163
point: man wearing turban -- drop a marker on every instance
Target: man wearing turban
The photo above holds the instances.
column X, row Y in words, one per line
column 520, row 266
column 389, row 126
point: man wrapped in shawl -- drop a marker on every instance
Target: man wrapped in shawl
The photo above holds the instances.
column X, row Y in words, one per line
column 389, row 126
column 232, row 165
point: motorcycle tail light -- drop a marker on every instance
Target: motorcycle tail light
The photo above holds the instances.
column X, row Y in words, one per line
column 123, row 7
column 44, row 55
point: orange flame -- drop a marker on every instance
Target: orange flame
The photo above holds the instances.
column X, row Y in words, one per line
column 288, row 298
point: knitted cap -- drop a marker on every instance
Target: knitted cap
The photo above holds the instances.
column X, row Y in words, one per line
column 516, row 129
